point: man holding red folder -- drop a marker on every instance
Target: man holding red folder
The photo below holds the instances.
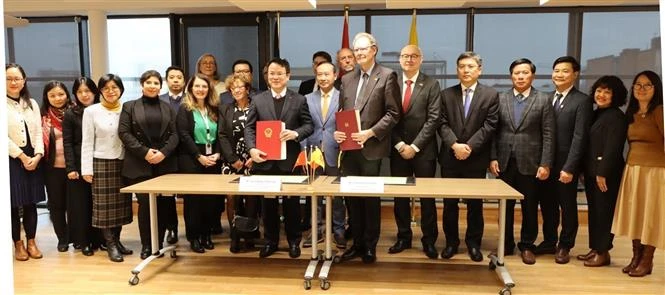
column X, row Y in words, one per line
column 279, row 104
column 372, row 90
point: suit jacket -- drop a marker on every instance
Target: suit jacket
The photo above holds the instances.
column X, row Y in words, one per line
column 307, row 87
column 477, row 130
column 132, row 131
column 572, row 127
column 380, row 110
column 324, row 128
column 188, row 150
column 295, row 115
column 72, row 136
column 165, row 98
column 422, row 118
column 225, row 133
column 530, row 138
column 607, row 137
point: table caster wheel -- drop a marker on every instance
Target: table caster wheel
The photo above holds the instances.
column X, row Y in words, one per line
column 325, row 285
column 134, row 280
column 307, row 284
column 174, row 254
column 337, row 259
column 492, row 266
column 505, row 291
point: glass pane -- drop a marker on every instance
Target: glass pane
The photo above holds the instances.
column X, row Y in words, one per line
column 135, row 46
column 322, row 33
column 619, row 43
column 227, row 44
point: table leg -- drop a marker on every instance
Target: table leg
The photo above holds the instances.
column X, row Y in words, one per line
column 496, row 262
column 330, row 256
column 314, row 262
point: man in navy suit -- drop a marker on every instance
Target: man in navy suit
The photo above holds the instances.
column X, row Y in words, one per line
column 469, row 118
column 414, row 147
column 572, row 111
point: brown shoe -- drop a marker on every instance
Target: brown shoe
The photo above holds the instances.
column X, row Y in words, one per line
column 600, row 259
column 646, row 263
column 19, row 251
column 637, row 254
column 562, row 255
column 587, row 256
column 528, row 257
column 33, row 250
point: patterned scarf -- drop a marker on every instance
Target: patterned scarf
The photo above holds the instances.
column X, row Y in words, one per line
column 53, row 119
column 113, row 107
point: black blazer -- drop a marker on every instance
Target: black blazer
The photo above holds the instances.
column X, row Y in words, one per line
column 607, row 137
column 225, row 133
column 477, row 130
column 72, row 136
column 295, row 115
column 422, row 118
column 188, row 150
column 131, row 130
column 306, row 87
column 572, row 127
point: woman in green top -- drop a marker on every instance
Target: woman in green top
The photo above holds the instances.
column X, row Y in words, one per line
column 199, row 153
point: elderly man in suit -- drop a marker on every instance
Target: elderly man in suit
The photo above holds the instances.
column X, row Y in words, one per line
column 322, row 106
column 414, row 147
column 469, row 117
column 572, row 111
column 523, row 150
column 279, row 103
column 373, row 90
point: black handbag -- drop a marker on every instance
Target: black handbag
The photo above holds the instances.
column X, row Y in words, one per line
column 245, row 224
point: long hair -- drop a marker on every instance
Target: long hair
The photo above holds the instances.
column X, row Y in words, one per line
column 24, row 95
column 79, row 107
column 633, row 104
column 215, row 75
column 211, row 101
column 46, row 104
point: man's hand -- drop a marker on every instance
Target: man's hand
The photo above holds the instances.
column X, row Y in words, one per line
column 362, row 136
column 407, row 152
column 257, row 155
column 339, row 136
column 287, row 135
column 462, row 151
column 602, row 183
column 543, row 173
column 565, row 177
column 494, row 168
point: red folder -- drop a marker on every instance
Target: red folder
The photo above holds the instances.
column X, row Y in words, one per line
column 348, row 122
column 267, row 139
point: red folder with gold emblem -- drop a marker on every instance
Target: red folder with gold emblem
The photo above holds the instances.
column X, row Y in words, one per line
column 267, row 139
column 348, row 122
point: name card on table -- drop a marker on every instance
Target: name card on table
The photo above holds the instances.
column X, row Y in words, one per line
column 359, row 184
column 256, row 183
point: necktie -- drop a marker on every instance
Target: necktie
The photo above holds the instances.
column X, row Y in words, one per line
column 361, row 94
column 557, row 102
column 518, row 109
column 407, row 95
column 324, row 106
column 467, row 101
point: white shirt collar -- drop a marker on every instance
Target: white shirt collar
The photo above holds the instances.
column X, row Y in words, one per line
column 281, row 94
column 526, row 93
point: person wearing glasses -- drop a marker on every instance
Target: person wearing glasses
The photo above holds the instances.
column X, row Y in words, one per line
column 640, row 209
column 102, row 154
column 26, row 149
column 207, row 65
column 242, row 68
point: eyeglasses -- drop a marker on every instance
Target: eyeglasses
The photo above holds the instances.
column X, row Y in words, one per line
column 14, row 80
column 276, row 74
column 409, row 56
column 242, row 71
column 208, row 63
column 642, row 87
column 237, row 88
column 110, row 88
column 362, row 49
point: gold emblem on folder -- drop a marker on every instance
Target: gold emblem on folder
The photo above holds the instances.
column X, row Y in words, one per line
column 267, row 132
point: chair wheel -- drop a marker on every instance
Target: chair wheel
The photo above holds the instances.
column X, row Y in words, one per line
column 505, row 291
column 134, row 280
column 307, row 284
column 325, row 285
column 337, row 259
column 174, row 254
column 492, row 266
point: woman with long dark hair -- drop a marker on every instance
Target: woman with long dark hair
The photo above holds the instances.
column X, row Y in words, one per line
column 26, row 149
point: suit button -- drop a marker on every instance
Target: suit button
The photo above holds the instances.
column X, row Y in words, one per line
column 324, row 129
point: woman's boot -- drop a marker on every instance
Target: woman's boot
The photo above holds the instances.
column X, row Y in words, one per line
column 112, row 245
column 121, row 247
column 235, row 240
column 20, row 253
column 637, row 254
column 646, row 263
column 33, row 251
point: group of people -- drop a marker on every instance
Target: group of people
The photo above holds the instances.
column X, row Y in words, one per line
column 539, row 143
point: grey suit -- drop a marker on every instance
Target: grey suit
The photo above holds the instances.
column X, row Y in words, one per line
column 521, row 146
column 417, row 126
column 573, row 120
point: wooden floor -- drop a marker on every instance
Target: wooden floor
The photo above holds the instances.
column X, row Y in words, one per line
column 410, row 272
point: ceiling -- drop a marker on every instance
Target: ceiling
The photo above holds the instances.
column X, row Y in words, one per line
column 27, row 8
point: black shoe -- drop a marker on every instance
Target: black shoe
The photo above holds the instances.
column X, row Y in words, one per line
column 63, row 247
column 172, row 236
column 340, row 241
column 369, row 256
column 430, row 251
column 114, row 254
column 77, row 246
column 347, row 233
column 123, row 250
column 308, row 241
column 195, row 245
column 509, row 251
column 475, row 254
column 217, row 229
column 448, row 252
column 544, row 248
column 400, row 246
column 235, row 241
column 207, row 243
column 146, row 252
column 102, row 247
column 87, row 250
column 268, row 249
column 294, row 250
column 352, row 253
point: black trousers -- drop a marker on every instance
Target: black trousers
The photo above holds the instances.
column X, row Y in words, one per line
column 601, row 211
column 144, row 215
column 291, row 210
column 56, row 188
column 29, row 222
column 79, row 215
column 474, row 214
column 200, row 214
column 558, row 203
column 365, row 211
column 171, row 214
column 526, row 185
column 419, row 168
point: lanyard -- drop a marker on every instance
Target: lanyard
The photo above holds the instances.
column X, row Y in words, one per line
column 205, row 121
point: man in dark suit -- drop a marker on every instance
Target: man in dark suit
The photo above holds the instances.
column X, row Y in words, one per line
column 175, row 81
column 309, row 86
column 469, row 118
column 373, row 90
column 572, row 111
column 243, row 68
column 414, row 147
column 279, row 103
column 522, row 151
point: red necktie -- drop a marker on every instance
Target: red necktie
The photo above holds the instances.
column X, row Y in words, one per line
column 407, row 95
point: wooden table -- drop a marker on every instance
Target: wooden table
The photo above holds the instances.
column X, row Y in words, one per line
column 436, row 188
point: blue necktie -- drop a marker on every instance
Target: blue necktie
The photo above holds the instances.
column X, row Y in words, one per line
column 557, row 102
column 519, row 108
column 467, row 101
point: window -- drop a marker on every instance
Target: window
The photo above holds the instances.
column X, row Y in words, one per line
column 135, row 46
